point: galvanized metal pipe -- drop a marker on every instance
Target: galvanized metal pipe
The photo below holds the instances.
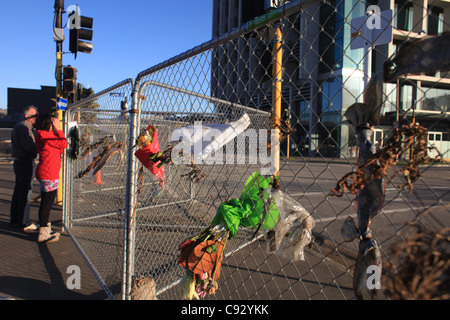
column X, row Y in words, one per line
column 199, row 95
column 98, row 94
column 130, row 197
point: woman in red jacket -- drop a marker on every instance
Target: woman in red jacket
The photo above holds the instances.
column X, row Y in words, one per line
column 50, row 144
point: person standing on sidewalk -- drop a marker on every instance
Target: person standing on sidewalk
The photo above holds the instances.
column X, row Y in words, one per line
column 24, row 152
column 50, row 143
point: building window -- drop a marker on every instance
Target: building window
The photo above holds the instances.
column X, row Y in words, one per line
column 403, row 15
column 436, row 99
column 327, row 36
column 406, row 97
column 435, row 20
column 330, row 107
column 330, row 98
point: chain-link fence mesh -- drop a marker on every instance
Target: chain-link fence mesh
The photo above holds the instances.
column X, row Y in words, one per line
column 95, row 190
column 293, row 71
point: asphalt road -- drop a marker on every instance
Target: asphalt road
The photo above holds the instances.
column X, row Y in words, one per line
column 428, row 203
column 250, row 273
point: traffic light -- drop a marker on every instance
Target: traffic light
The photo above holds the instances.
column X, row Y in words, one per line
column 70, row 81
column 80, row 29
column 83, row 93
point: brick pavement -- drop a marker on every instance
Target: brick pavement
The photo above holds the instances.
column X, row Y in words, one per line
column 38, row 271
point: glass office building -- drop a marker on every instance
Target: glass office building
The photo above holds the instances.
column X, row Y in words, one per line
column 323, row 76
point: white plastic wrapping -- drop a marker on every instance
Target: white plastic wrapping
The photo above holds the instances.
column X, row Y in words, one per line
column 201, row 140
column 293, row 231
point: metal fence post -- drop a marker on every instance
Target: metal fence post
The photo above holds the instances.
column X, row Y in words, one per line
column 65, row 181
column 130, row 202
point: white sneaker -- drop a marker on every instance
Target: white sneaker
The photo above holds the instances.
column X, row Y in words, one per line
column 31, row 228
column 45, row 236
column 49, row 227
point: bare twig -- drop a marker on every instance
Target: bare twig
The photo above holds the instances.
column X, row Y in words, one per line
column 411, row 137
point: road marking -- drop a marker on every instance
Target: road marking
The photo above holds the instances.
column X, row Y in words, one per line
column 384, row 211
column 327, row 192
column 305, row 194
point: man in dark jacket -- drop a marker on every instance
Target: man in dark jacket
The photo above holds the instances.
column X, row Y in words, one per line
column 24, row 152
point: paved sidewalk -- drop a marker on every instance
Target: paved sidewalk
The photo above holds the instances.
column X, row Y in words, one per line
column 34, row 271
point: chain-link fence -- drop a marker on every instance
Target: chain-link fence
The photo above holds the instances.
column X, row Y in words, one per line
column 95, row 192
column 319, row 96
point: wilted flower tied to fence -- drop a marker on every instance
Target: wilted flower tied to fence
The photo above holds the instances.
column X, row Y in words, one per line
column 202, row 257
column 149, row 147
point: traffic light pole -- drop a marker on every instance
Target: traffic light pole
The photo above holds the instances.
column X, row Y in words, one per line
column 59, row 7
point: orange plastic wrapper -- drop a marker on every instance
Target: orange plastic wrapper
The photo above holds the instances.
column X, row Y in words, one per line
column 148, row 145
column 203, row 257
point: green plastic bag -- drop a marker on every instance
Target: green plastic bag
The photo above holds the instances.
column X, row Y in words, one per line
column 253, row 207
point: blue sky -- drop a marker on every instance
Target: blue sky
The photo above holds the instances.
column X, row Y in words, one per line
column 129, row 36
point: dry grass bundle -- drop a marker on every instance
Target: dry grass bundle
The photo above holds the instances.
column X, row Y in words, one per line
column 422, row 270
column 412, row 137
column 144, row 288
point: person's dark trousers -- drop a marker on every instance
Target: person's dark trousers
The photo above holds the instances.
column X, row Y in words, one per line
column 47, row 199
column 23, row 169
